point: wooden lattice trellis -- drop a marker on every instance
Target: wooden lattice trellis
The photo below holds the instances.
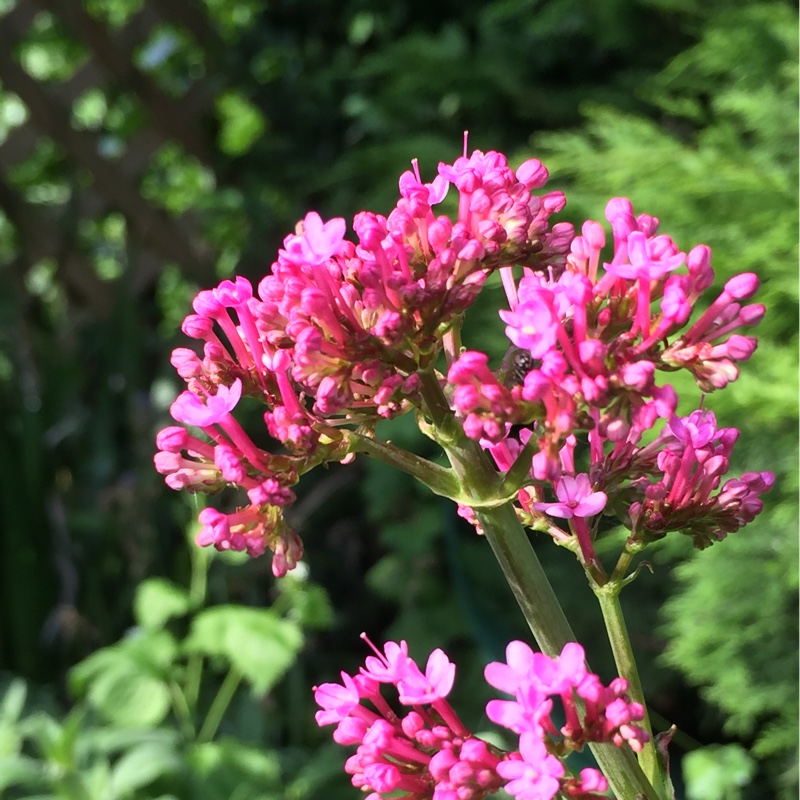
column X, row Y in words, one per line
column 103, row 184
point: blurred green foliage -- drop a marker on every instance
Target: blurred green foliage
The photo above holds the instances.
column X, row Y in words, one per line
column 688, row 108
column 149, row 709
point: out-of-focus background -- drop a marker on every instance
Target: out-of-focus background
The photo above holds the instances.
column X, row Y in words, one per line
column 149, row 148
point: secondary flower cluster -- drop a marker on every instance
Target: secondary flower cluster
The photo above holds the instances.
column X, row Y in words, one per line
column 597, row 339
column 587, row 342
column 427, row 752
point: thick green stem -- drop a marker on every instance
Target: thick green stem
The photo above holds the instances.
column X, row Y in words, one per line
column 608, row 597
column 538, row 602
column 552, row 631
column 527, row 579
column 478, row 480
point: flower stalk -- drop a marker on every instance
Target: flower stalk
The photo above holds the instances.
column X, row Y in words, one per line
column 608, row 598
column 545, row 617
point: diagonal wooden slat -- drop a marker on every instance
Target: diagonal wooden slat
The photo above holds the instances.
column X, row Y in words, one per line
column 51, row 119
column 41, row 236
column 116, row 56
column 190, row 16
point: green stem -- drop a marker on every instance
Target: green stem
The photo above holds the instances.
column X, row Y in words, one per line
column 438, row 408
column 552, row 631
column 219, row 705
column 621, row 568
column 440, row 480
column 200, row 561
column 194, row 674
column 523, row 571
column 608, row 597
column 182, row 711
column 527, row 579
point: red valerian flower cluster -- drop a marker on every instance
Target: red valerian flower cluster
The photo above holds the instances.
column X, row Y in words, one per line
column 337, row 332
column 428, row 754
column 340, row 333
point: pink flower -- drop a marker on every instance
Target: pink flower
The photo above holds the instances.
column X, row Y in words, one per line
column 317, row 241
column 536, row 776
column 337, row 701
column 416, row 688
column 576, row 499
column 645, row 260
column 532, row 325
column 389, row 666
column 191, row 410
column 427, row 751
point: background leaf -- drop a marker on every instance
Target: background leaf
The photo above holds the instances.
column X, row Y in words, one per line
column 255, row 641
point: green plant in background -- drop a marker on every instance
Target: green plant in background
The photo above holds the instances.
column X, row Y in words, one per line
column 718, row 773
column 148, row 718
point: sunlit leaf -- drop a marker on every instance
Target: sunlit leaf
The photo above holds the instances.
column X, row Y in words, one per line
column 257, row 642
column 157, row 601
column 142, row 765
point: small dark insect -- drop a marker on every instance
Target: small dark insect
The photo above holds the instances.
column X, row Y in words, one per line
column 516, row 364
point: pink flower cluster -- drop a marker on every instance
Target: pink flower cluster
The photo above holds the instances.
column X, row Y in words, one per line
column 598, row 340
column 337, row 332
column 429, row 753
column 593, row 339
column 679, row 488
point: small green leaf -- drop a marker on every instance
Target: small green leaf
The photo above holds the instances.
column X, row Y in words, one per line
column 13, row 700
column 127, row 696
column 63, row 750
column 10, row 740
column 96, row 782
column 257, row 642
column 21, row 771
column 45, row 731
column 142, row 765
column 717, row 772
column 158, row 600
column 150, row 652
column 241, row 123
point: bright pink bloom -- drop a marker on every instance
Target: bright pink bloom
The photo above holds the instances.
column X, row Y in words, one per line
column 532, row 325
column 429, row 755
column 488, row 406
column 191, row 410
column 416, row 688
column 389, row 666
column 315, row 241
column 576, row 499
column 536, row 775
column 337, row 702
column 535, row 679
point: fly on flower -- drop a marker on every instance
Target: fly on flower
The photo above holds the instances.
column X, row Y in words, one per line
column 516, row 364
